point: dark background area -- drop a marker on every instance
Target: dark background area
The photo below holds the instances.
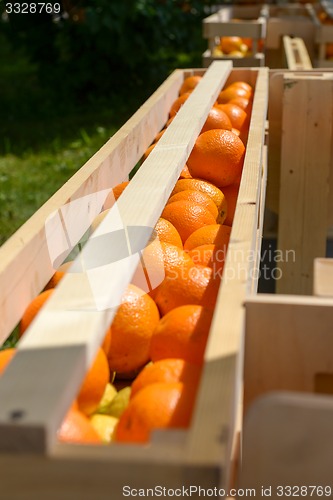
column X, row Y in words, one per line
column 95, row 62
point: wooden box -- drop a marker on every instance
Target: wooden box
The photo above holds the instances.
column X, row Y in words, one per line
column 288, row 387
column 42, row 380
column 288, row 362
column 322, row 16
column 293, row 20
column 242, row 21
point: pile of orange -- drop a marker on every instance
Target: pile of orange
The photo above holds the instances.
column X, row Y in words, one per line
column 236, row 46
column 157, row 340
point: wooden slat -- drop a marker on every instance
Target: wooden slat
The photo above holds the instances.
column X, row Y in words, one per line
column 20, row 279
column 275, row 110
column 288, row 442
column 214, row 26
column 84, row 303
column 288, row 341
column 296, row 54
column 323, row 278
column 258, row 60
column 80, row 475
column 304, row 188
column 215, row 417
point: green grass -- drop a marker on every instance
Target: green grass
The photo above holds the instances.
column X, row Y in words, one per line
column 27, row 180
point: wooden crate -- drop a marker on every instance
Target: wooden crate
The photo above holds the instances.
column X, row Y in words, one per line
column 288, row 364
column 300, row 170
column 242, row 21
column 323, row 34
column 293, row 20
column 55, row 353
column 288, row 387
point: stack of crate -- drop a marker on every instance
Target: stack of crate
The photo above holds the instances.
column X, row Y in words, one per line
column 322, row 16
column 242, row 21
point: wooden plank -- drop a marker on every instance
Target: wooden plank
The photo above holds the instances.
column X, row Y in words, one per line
column 275, row 109
column 288, row 342
column 296, row 54
column 20, row 279
column 288, row 443
column 323, row 278
column 215, row 417
column 258, row 60
column 255, row 270
column 83, row 305
column 79, row 475
column 306, row 160
column 289, row 19
column 215, row 26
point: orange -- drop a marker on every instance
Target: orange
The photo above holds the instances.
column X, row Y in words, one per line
column 33, row 309
column 160, row 260
column 157, row 406
column 182, row 333
column 217, row 156
column 177, row 104
column 230, row 43
column 230, row 93
column 187, row 216
column 58, row 275
column 198, row 197
column 216, row 234
column 106, row 342
column 76, row 428
column 169, row 121
column 243, row 85
column 94, row 384
column 329, row 50
column 185, row 174
column 231, row 194
column 237, row 115
column 114, row 195
column 197, row 285
column 167, row 370
column 6, row 356
column 242, row 102
column 166, row 232
column 247, row 42
column 208, row 255
column 158, row 136
column 216, row 119
column 189, row 84
column 205, row 187
column 131, row 331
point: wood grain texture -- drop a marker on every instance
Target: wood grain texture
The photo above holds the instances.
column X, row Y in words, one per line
column 288, row 441
column 304, row 184
column 275, row 111
column 215, row 416
column 83, row 305
column 288, row 341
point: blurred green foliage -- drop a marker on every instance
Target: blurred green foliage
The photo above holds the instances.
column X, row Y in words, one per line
column 97, row 53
